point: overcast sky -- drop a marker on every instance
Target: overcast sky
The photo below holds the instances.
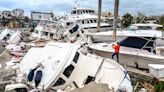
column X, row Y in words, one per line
column 59, row 7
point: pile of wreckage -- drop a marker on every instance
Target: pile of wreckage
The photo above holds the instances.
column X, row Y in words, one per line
column 72, row 60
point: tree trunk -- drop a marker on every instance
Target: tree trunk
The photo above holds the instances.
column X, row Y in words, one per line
column 99, row 15
column 116, row 6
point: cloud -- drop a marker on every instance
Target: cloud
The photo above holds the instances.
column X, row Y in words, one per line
column 150, row 7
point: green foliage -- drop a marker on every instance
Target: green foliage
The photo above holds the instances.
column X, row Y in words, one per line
column 159, row 87
column 140, row 18
column 161, row 21
column 127, row 19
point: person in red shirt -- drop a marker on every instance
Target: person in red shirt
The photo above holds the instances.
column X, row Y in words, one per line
column 116, row 49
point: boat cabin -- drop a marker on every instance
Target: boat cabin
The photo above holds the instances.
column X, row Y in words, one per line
column 146, row 27
column 79, row 11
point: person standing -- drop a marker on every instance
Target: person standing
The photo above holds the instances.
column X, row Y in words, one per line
column 116, row 49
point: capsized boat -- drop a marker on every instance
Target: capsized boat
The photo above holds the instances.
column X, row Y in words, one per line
column 10, row 36
column 66, row 67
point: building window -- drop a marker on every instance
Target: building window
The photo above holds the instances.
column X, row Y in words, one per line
column 67, row 72
column 59, row 82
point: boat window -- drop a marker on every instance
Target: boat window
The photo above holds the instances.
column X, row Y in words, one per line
column 91, row 21
column 76, row 57
column 89, row 79
column 5, row 39
column 106, row 21
column 8, row 35
column 51, row 35
column 73, row 12
column 68, row 23
column 86, row 11
column 95, row 21
column 144, row 27
column 74, row 29
column 67, row 72
column 159, row 28
column 59, row 82
column 139, row 43
column 77, row 35
column 90, row 11
column 45, row 33
column 93, row 11
column 83, row 11
column 83, row 22
column 88, row 21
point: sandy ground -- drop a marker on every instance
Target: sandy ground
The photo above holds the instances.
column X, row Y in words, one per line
column 93, row 87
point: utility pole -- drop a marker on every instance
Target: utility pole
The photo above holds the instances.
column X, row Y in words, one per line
column 116, row 7
column 99, row 15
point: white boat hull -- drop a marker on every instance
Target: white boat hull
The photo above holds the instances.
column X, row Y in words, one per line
column 132, row 60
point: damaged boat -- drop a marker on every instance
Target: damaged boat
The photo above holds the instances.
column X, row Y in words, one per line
column 68, row 67
column 132, row 30
column 138, row 49
column 10, row 36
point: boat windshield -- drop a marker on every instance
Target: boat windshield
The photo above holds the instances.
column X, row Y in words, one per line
column 146, row 43
column 133, row 27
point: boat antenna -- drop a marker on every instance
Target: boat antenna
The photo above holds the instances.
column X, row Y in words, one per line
column 76, row 4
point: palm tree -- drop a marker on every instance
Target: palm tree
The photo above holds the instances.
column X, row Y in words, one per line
column 99, row 15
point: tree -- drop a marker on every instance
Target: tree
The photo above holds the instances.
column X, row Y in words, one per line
column 161, row 21
column 140, row 18
column 127, row 20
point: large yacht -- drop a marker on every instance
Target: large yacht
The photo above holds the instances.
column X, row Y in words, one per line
column 87, row 19
column 48, row 29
